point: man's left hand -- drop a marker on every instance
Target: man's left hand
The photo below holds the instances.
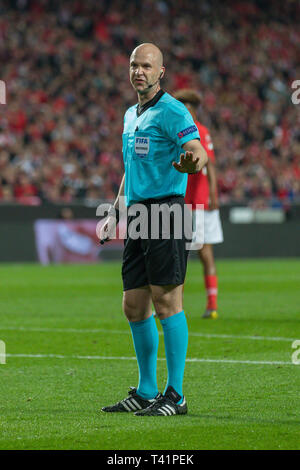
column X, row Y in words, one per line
column 188, row 163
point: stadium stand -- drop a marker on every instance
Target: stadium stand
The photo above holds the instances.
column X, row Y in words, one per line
column 65, row 65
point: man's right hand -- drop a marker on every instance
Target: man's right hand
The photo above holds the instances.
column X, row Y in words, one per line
column 108, row 230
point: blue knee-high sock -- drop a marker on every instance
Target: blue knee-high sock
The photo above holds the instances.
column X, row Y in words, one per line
column 145, row 340
column 176, row 341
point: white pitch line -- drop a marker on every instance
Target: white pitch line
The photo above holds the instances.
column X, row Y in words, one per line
column 124, row 358
column 259, row 338
column 124, row 332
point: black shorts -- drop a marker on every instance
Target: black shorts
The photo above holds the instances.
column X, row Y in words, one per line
column 161, row 261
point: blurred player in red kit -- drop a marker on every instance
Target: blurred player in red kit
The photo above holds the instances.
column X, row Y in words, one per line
column 202, row 189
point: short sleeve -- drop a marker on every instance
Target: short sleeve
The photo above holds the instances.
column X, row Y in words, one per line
column 179, row 125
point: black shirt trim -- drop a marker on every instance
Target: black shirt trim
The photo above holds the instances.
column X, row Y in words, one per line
column 141, row 109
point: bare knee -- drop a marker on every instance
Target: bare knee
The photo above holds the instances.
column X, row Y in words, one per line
column 128, row 307
column 136, row 305
column 167, row 300
column 161, row 304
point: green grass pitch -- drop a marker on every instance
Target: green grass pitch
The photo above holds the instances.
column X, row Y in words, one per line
column 69, row 352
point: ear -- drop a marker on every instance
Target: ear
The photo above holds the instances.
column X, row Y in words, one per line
column 162, row 72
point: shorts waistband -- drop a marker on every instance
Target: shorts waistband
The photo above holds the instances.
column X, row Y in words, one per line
column 160, row 200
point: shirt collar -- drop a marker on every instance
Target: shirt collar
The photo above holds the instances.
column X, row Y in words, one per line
column 141, row 109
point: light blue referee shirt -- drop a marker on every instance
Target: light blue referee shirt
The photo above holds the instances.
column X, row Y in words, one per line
column 151, row 142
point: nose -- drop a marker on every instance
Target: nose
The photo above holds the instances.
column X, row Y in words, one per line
column 138, row 71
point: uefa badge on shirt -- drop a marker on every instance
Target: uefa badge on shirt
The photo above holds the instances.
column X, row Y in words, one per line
column 141, row 146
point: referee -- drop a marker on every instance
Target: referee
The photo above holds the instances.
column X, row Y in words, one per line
column 157, row 131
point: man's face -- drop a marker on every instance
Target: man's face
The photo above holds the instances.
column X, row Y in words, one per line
column 144, row 70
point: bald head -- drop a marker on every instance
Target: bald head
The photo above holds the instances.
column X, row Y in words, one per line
column 146, row 69
column 150, row 50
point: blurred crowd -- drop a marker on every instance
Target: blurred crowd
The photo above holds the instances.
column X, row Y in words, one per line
column 65, row 65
